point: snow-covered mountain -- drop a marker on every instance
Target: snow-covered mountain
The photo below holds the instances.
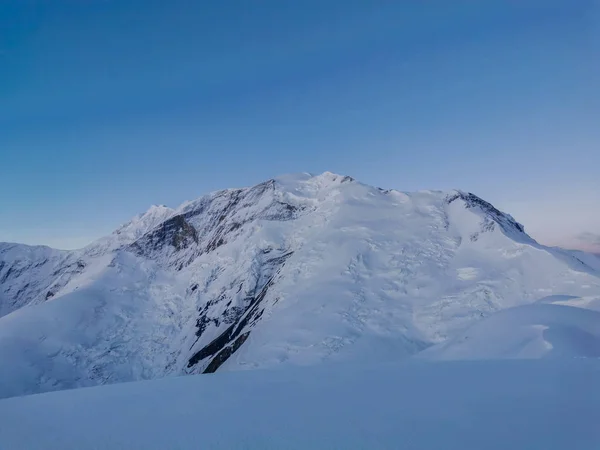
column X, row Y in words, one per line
column 297, row 270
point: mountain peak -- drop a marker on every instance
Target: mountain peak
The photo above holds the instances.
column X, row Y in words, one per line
column 144, row 222
column 322, row 179
column 506, row 221
column 157, row 209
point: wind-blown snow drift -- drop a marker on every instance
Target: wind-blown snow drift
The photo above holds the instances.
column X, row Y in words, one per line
column 297, row 270
column 539, row 330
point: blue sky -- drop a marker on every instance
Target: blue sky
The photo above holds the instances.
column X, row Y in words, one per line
column 107, row 107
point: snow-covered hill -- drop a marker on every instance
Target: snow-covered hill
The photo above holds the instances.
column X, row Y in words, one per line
column 547, row 328
column 297, row 270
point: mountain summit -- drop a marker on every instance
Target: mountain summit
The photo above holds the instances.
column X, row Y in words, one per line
column 297, row 270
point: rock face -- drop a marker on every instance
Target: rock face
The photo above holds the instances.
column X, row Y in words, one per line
column 240, row 317
column 494, row 216
column 175, row 232
column 297, row 270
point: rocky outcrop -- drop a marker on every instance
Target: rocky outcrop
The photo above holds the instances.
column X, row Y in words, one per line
column 493, row 215
column 175, row 232
column 241, row 318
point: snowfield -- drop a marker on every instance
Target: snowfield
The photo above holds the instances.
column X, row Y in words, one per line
column 509, row 404
column 297, row 271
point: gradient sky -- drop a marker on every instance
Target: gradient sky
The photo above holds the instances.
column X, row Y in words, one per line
column 107, row 107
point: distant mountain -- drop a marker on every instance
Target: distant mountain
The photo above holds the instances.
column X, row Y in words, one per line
column 297, row 270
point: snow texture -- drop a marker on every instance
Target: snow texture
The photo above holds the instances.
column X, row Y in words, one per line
column 299, row 270
column 540, row 330
column 466, row 405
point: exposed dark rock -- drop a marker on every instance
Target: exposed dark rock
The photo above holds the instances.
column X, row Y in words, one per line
column 224, row 214
column 217, row 234
column 248, row 317
column 224, row 354
column 176, row 232
column 506, row 222
column 40, row 263
column 488, row 225
column 232, row 313
column 8, row 273
column 282, row 211
column 201, row 324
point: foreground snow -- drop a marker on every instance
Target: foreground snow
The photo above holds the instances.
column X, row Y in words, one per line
column 527, row 404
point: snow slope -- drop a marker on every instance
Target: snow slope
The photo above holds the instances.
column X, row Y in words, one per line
column 535, row 404
column 298, row 270
column 539, row 330
column 33, row 274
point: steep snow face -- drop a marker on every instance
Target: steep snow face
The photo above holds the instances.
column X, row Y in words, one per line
column 33, row 274
column 131, row 231
column 297, row 270
column 28, row 273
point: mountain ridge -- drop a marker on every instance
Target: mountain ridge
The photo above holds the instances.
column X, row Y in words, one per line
column 299, row 269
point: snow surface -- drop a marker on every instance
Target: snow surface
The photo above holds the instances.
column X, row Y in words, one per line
column 540, row 330
column 299, row 270
column 527, row 404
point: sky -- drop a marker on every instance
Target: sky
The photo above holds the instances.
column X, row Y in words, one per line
column 108, row 107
